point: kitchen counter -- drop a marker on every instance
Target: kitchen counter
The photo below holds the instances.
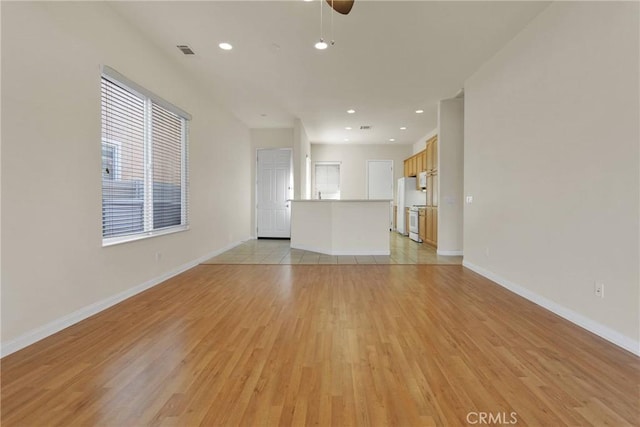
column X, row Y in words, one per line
column 341, row 227
column 340, row 201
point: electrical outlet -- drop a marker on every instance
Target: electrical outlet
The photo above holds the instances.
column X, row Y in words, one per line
column 599, row 289
column 158, row 256
column 486, row 251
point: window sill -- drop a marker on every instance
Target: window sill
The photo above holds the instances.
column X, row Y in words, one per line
column 111, row 241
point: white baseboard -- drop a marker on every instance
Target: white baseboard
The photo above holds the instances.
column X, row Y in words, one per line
column 449, row 253
column 590, row 325
column 340, row 253
column 61, row 323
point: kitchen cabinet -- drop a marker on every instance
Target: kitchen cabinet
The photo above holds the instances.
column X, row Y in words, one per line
column 406, row 221
column 431, row 217
column 428, row 235
column 435, row 226
column 431, row 226
column 410, row 167
column 432, row 154
column 415, row 164
column 395, row 217
column 422, row 224
column 434, row 189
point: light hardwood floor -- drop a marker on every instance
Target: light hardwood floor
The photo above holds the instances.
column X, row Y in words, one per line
column 266, row 251
column 321, row 345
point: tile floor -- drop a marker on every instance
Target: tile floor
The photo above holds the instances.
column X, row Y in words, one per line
column 266, row 251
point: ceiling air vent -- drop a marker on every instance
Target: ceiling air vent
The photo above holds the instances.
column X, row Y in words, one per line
column 365, row 127
column 185, row 49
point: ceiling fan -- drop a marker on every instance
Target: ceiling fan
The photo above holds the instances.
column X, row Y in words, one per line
column 341, row 6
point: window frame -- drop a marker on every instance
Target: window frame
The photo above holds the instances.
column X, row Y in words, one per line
column 150, row 98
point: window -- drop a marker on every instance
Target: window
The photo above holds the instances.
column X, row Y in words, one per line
column 328, row 180
column 144, row 162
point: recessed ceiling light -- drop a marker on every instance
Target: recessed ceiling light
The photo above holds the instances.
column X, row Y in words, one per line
column 403, row 128
column 392, row 139
column 225, row 46
column 351, row 111
column 419, row 111
column 321, row 45
column 346, row 140
column 308, row 0
column 348, row 128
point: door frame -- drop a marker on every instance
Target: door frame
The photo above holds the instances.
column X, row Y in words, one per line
column 255, row 184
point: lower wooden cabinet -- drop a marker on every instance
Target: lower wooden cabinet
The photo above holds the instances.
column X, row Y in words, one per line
column 395, row 217
column 435, row 226
column 431, row 226
column 422, row 224
column 406, row 221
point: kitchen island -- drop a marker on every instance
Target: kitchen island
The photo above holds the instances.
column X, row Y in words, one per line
column 341, row 227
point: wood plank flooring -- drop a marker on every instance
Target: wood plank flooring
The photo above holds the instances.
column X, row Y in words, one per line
column 322, row 345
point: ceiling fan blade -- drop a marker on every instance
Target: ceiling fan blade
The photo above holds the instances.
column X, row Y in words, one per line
column 341, row 6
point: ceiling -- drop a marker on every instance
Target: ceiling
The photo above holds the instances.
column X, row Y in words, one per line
column 390, row 59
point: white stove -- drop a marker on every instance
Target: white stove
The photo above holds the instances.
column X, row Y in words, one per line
column 414, row 216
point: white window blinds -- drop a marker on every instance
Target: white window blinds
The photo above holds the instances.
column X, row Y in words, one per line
column 144, row 164
column 328, row 181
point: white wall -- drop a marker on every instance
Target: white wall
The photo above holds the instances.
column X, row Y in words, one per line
column 450, row 175
column 552, row 161
column 53, row 262
column 353, row 167
column 302, row 150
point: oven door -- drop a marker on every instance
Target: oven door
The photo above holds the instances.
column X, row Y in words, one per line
column 413, row 221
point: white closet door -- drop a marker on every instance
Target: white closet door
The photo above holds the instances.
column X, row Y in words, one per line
column 274, row 189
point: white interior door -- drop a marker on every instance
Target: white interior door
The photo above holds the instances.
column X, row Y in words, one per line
column 380, row 179
column 274, row 189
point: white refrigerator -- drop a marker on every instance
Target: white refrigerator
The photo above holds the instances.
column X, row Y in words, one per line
column 407, row 196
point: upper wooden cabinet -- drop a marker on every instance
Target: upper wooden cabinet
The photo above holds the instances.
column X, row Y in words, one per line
column 432, row 154
column 415, row 164
column 410, row 167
